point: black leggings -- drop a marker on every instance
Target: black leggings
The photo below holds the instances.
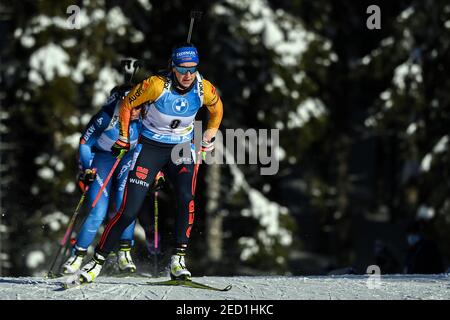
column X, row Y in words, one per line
column 152, row 157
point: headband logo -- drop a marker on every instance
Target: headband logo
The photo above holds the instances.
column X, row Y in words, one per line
column 184, row 53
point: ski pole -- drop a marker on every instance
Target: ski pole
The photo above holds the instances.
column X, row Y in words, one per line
column 66, row 248
column 106, row 180
column 200, row 155
column 155, row 242
column 159, row 177
column 69, row 231
column 63, row 241
column 72, row 221
column 194, row 15
column 71, row 241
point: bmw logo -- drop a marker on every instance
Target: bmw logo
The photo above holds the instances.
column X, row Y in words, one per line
column 180, row 106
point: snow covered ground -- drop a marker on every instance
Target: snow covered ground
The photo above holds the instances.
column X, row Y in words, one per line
column 392, row 287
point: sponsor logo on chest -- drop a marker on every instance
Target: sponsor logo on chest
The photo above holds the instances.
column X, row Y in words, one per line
column 180, row 106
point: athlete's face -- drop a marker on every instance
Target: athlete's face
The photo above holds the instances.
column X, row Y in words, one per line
column 185, row 79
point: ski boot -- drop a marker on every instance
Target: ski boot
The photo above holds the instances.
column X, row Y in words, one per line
column 93, row 268
column 178, row 270
column 74, row 262
column 124, row 259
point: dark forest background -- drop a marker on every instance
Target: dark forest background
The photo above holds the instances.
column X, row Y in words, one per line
column 363, row 117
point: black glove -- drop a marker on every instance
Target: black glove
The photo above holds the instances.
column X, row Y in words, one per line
column 86, row 178
column 119, row 148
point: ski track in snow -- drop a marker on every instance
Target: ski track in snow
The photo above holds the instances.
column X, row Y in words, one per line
column 390, row 287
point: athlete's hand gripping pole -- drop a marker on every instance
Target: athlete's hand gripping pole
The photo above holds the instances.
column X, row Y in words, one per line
column 119, row 148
